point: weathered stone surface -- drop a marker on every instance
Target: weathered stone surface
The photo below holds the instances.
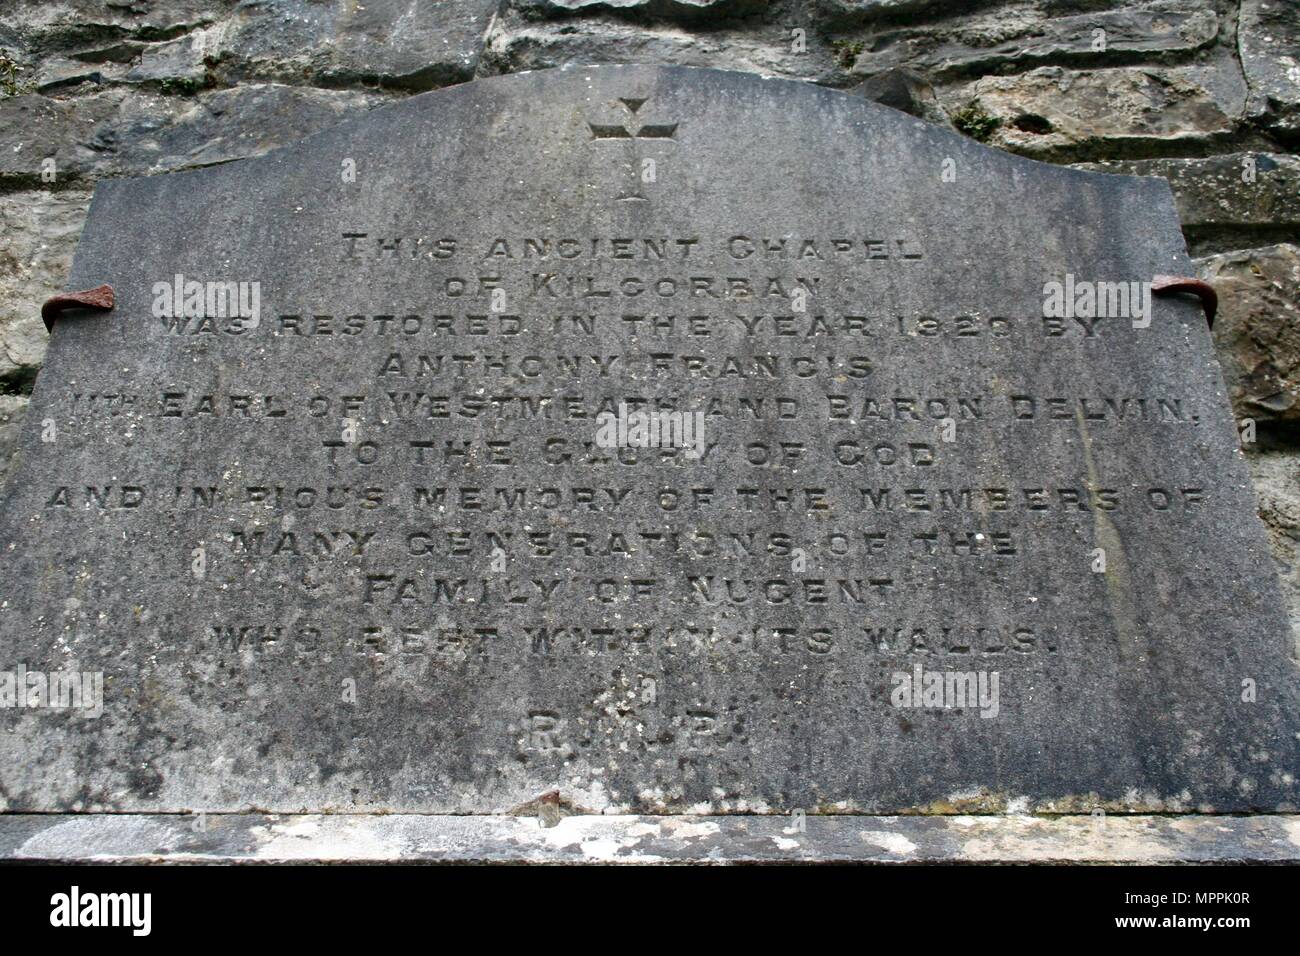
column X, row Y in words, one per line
column 1059, row 114
column 34, row 128
column 689, row 11
column 180, row 65
column 60, row 75
column 128, row 132
column 855, row 12
column 40, row 234
column 97, row 32
column 12, row 408
column 65, row 43
column 229, row 124
column 1269, row 43
column 906, row 91
column 1020, row 36
column 355, row 838
column 1257, row 332
column 1276, row 474
column 1227, row 202
column 637, row 632
column 401, row 44
column 515, row 45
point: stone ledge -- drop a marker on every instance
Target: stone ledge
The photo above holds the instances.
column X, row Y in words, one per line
column 369, row 838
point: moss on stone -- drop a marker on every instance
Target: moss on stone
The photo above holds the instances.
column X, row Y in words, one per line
column 847, row 52
column 975, row 121
column 9, row 82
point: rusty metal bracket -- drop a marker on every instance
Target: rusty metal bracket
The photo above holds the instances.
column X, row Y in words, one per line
column 1165, row 285
column 98, row 299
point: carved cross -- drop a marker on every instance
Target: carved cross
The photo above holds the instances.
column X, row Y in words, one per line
column 629, row 135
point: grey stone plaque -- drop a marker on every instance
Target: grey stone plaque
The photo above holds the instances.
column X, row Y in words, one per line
column 943, row 542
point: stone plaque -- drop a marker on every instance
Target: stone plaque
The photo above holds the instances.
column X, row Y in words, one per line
column 637, row 440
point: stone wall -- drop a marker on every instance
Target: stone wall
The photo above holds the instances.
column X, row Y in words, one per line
column 1203, row 92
